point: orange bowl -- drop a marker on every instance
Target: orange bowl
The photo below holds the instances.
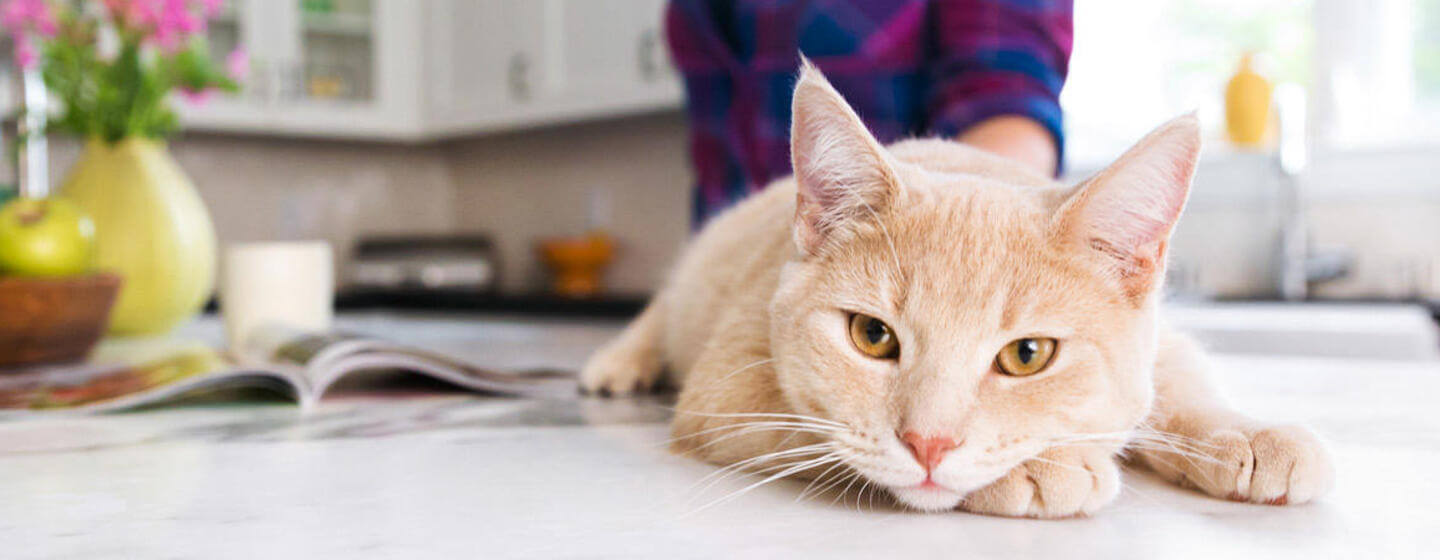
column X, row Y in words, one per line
column 577, row 263
column 45, row 320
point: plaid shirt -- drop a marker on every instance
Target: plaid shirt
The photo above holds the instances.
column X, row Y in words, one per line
column 909, row 67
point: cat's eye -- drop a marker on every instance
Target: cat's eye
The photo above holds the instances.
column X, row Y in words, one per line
column 874, row 338
column 1025, row 356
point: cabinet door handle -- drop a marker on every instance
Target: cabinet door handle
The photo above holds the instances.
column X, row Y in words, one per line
column 519, row 74
column 649, row 44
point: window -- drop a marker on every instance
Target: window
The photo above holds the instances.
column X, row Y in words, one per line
column 1371, row 68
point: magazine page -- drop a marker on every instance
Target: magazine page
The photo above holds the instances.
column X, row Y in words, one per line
column 129, row 374
column 306, row 351
column 532, row 383
column 327, row 357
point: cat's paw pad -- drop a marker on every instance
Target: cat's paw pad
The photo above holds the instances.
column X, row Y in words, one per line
column 1275, row 465
column 620, row 370
column 1059, row 483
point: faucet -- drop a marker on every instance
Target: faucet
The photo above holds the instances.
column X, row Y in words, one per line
column 1300, row 266
column 32, row 157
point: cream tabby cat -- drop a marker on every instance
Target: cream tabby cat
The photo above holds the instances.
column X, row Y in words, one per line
column 952, row 328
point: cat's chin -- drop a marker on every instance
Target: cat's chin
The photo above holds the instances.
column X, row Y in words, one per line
column 927, row 497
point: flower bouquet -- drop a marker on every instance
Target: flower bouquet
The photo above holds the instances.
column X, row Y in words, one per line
column 112, row 66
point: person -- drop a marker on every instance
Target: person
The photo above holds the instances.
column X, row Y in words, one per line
column 985, row 72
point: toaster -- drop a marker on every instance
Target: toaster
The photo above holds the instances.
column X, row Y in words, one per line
column 464, row 262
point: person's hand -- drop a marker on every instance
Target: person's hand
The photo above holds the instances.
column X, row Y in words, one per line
column 1015, row 137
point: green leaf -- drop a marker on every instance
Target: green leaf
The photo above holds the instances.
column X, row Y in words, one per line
column 128, row 95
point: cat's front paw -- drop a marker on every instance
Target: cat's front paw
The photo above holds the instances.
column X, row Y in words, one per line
column 621, row 369
column 1274, row 465
column 1062, row 482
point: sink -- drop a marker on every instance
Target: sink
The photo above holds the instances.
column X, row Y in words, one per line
column 1360, row 331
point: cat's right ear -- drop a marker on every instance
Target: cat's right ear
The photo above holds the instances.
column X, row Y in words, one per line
column 842, row 172
column 1125, row 213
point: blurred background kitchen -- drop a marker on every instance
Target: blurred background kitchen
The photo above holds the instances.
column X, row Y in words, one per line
column 466, row 134
column 503, row 183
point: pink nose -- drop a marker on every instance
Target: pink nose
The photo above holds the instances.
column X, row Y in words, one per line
column 929, row 451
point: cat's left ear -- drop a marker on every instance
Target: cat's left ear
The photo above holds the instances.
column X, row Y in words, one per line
column 843, row 175
column 1126, row 212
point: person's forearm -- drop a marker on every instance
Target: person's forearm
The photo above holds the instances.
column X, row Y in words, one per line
column 1015, row 137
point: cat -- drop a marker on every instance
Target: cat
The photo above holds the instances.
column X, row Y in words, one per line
column 951, row 327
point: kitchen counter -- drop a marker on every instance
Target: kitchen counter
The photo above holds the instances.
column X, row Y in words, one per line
column 446, row 475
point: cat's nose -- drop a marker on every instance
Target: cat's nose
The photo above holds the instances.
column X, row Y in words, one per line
column 929, row 451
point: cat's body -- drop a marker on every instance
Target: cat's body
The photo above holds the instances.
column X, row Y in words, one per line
column 947, row 255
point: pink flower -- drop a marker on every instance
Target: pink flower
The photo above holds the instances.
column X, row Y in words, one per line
column 19, row 16
column 237, row 64
column 175, row 24
column 133, row 14
column 25, row 55
column 24, row 19
column 169, row 24
column 194, row 97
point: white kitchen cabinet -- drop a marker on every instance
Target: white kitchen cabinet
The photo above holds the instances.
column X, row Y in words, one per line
column 414, row 70
column 337, row 73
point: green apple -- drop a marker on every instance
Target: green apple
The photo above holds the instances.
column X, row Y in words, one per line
column 45, row 237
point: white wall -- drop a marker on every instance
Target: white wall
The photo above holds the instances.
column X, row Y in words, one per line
column 519, row 187
column 528, row 185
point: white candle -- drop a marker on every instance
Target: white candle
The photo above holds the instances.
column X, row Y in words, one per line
column 282, row 284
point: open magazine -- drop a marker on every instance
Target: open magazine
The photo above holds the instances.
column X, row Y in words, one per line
column 302, row 366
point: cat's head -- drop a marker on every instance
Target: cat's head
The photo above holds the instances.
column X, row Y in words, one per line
column 947, row 308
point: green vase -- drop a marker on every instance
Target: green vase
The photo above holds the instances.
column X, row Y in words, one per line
column 151, row 228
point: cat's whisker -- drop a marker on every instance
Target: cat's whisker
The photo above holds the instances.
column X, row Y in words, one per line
column 1154, row 446
column 1204, row 476
column 819, row 479
column 1178, row 438
column 1158, row 454
column 755, row 427
column 1161, row 447
column 789, row 436
column 853, row 478
column 751, row 430
column 749, row 466
column 737, row 425
column 790, row 416
column 860, row 495
column 793, row 469
column 741, row 369
column 1146, row 438
column 741, row 465
column 697, row 494
column 1176, row 443
column 782, row 454
column 840, row 478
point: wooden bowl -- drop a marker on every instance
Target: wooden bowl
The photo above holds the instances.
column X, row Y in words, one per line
column 46, row 320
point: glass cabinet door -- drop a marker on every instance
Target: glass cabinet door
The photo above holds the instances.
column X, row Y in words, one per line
column 227, row 32
column 224, row 31
column 239, row 25
column 336, row 58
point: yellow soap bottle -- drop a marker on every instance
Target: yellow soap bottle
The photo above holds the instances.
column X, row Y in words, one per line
column 1247, row 105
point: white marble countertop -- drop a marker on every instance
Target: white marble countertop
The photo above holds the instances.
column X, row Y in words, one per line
column 453, row 475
